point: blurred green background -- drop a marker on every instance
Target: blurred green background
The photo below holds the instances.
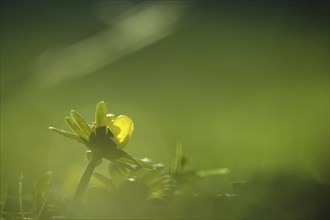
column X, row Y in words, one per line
column 243, row 85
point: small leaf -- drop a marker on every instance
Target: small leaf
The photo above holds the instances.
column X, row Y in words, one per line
column 117, row 175
column 150, row 175
column 126, row 158
column 146, row 165
column 162, row 183
column 105, row 182
column 80, row 121
column 75, row 128
column 68, row 135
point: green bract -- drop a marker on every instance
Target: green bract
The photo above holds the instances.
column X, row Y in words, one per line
column 106, row 137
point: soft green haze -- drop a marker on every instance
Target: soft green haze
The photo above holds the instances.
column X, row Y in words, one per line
column 241, row 85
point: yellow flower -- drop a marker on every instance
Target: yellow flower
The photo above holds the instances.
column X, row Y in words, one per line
column 121, row 127
column 106, row 137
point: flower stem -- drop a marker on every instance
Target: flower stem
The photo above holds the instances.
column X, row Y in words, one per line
column 84, row 182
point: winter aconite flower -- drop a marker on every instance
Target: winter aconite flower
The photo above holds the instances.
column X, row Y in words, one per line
column 106, row 137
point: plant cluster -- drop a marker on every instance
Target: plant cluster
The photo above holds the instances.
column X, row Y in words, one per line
column 139, row 188
column 132, row 187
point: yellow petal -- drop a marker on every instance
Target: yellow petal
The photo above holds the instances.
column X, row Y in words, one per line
column 122, row 129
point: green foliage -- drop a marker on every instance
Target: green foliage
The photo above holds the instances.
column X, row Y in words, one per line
column 140, row 188
column 139, row 185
